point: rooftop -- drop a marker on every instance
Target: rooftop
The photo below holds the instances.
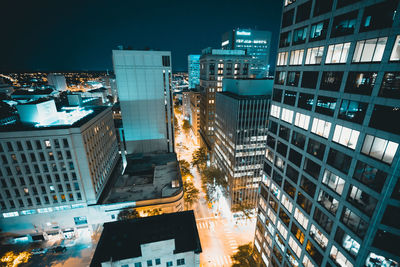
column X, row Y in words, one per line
column 122, row 239
column 146, row 176
column 47, row 91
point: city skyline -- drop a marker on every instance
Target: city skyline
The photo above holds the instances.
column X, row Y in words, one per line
column 49, row 36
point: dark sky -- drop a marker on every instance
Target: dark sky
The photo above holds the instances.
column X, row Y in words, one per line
column 60, row 35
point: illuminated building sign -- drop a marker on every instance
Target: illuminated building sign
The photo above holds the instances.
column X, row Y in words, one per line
column 243, row 33
column 225, row 43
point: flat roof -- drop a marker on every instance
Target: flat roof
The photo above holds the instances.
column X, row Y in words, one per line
column 122, row 239
column 146, row 176
column 244, row 97
column 19, row 126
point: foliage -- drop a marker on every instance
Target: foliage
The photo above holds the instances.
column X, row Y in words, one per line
column 154, row 212
column 244, row 207
column 176, row 126
column 185, row 168
column 215, row 176
column 186, row 126
column 191, row 193
column 199, row 158
column 243, row 258
column 128, row 214
column 12, row 259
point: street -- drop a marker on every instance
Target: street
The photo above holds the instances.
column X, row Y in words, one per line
column 219, row 236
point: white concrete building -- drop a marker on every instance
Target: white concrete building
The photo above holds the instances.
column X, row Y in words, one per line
column 57, row 80
column 144, row 90
column 54, row 163
column 165, row 240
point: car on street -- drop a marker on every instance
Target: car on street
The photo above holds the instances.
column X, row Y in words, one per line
column 37, row 251
column 58, row 249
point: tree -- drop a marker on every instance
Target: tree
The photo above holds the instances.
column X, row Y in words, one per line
column 176, row 126
column 128, row 214
column 185, row 168
column 186, row 126
column 243, row 258
column 244, row 207
column 191, row 193
column 154, row 212
column 215, row 176
column 199, row 158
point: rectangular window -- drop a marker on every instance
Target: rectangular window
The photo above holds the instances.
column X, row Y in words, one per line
column 287, row 18
column 325, row 105
column 277, row 95
column 347, row 242
column 370, row 176
column 296, row 57
column 323, row 220
column 333, row 181
column 379, row 148
column 327, row 201
column 382, row 116
column 337, row 53
column 284, row 39
column 362, row 200
column 301, row 218
column 331, row 80
column 318, row 31
column 306, row 101
column 390, row 85
column 379, row 16
column 302, row 121
column 352, row 111
column 293, row 78
column 303, row 11
column 299, row 36
column 312, row 168
column 180, row 262
column 299, row 139
column 275, row 111
column 395, row 56
column 343, row 3
column 344, row 24
column 287, row 115
column 346, row 136
column 339, row 258
column 166, row 61
column 280, row 77
column 321, row 127
column 308, row 186
column 289, row 97
column 314, row 55
column 316, row 148
column 282, row 59
column 370, row 50
column 339, row 160
column 354, row 222
column 360, row 82
column 310, row 79
column 322, row 7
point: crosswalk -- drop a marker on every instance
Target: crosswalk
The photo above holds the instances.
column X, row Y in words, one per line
column 203, row 225
column 220, row 261
column 231, row 241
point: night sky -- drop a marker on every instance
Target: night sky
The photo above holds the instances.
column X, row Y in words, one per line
column 71, row 35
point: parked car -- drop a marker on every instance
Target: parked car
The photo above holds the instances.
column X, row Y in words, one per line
column 58, row 249
column 39, row 251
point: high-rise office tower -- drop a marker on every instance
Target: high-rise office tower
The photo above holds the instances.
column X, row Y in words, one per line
column 57, row 80
column 256, row 44
column 194, row 70
column 215, row 65
column 195, row 99
column 55, row 160
column 144, row 91
column 240, row 136
column 331, row 193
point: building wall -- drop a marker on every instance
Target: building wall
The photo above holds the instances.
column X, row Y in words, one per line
column 162, row 250
column 58, row 81
column 194, row 70
column 330, row 194
column 213, row 68
column 46, row 168
column 195, row 112
column 144, row 91
column 186, row 105
column 239, row 149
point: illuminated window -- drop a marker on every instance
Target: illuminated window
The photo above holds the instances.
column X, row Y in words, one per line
column 296, row 57
column 275, row 111
column 314, row 55
column 339, row 258
column 282, row 58
column 302, row 121
column 321, row 127
column 287, row 115
column 337, row 53
column 379, row 148
column 395, row 56
column 333, row 181
column 370, row 50
column 301, row 218
column 346, row 136
column 47, row 143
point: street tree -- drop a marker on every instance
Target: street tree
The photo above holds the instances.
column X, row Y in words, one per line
column 176, row 126
column 186, row 126
column 244, row 258
column 199, row 158
column 191, row 193
column 185, row 168
column 245, row 207
column 216, row 177
column 154, row 212
column 128, row 214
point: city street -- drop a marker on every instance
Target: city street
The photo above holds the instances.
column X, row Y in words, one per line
column 219, row 236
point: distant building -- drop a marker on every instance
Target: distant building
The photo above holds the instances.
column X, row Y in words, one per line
column 256, row 44
column 143, row 80
column 194, row 70
column 215, row 65
column 195, row 99
column 29, row 94
column 6, row 88
column 164, row 240
column 58, row 81
column 240, row 136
